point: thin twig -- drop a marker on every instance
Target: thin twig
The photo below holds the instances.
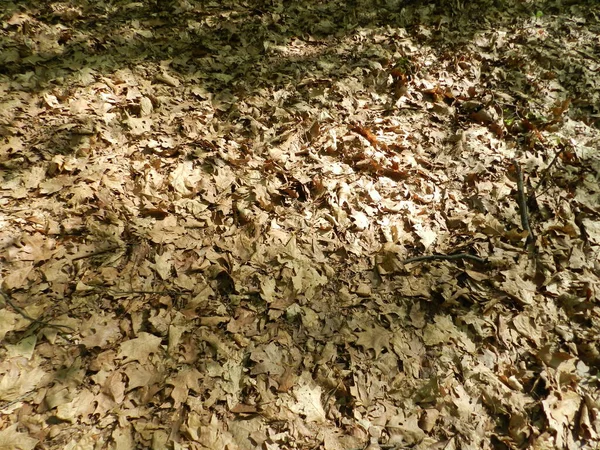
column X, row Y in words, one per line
column 97, row 252
column 521, row 199
column 33, row 320
column 453, row 257
column 547, row 169
column 166, row 291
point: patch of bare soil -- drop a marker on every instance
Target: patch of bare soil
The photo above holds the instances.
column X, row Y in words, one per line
column 299, row 225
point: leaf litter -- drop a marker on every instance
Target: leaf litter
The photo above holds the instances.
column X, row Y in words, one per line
column 240, row 224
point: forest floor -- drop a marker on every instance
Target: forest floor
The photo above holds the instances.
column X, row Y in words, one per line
column 300, row 225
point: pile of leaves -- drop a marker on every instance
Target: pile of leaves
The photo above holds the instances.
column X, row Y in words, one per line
column 311, row 224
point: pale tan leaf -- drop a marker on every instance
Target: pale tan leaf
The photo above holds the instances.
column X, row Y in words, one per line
column 140, row 348
column 11, row 439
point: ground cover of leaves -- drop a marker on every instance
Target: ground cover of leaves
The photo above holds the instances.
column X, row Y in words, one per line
column 210, row 213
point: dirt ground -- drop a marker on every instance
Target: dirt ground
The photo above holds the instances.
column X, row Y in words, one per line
column 279, row 224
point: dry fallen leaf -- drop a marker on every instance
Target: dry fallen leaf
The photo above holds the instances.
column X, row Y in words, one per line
column 11, row 439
